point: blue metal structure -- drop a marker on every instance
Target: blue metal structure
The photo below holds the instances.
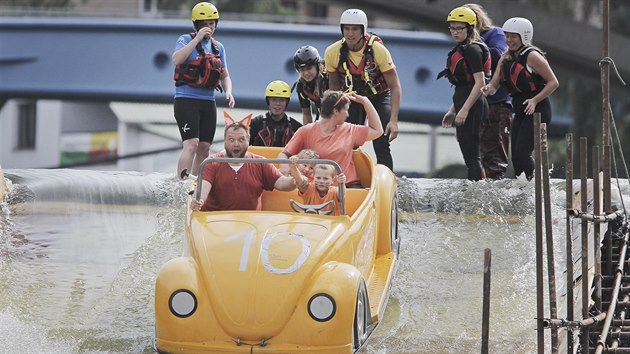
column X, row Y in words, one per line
column 99, row 59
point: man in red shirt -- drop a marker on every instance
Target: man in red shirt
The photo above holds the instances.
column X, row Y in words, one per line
column 238, row 186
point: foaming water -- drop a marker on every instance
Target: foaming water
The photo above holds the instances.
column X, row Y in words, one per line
column 80, row 250
column 80, row 253
column 436, row 300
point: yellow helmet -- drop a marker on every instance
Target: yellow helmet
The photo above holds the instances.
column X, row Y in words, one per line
column 205, row 11
column 279, row 89
column 462, row 14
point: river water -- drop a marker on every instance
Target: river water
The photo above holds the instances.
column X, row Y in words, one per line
column 80, row 250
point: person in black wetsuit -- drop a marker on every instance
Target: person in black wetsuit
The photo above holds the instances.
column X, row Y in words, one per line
column 525, row 72
column 467, row 65
column 274, row 128
column 312, row 83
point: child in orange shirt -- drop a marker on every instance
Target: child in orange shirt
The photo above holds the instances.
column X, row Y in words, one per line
column 307, row 168
column 320, row 189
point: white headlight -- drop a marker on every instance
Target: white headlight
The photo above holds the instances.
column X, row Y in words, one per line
column 182, row 303
column 322, row 307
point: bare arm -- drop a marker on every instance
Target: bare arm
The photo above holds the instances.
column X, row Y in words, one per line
column 227, row 86
column 284, row 168
column 300, row 181
column 180, row 55
column 474, row 95
column 285, row 183
column 540, row 65
column 374, row 123
column 449, row 117
column 205, row 190
column 393, row 82
column 307, row 117
column 491, row 88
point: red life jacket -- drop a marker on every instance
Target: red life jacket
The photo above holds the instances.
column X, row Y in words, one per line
column 517, row 77
column 366, row 78
column 458, row 71
column 204, row 72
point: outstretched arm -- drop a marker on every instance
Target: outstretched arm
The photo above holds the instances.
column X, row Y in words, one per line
column 373, row 121
column 285, row 183
column 300, row 181
column 284, row 168
column 205, row 190
column 491, row 88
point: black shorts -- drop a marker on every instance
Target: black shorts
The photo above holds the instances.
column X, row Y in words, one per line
column 196, row 118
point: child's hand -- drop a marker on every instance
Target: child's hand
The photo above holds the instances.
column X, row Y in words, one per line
column 293, row 159
column 341, row 178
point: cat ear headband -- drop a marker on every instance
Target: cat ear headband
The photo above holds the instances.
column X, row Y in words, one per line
column 229, row 121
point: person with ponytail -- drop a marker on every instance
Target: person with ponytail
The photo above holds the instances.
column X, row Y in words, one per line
column 494, row 142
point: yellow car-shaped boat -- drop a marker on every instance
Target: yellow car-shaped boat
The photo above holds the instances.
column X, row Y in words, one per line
column 277, row 281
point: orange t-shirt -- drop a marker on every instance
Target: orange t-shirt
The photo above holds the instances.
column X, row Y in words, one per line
column 336, row 146
column 311, row 196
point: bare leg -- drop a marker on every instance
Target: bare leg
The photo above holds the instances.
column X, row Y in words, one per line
column 187, row 155
column 203, row 150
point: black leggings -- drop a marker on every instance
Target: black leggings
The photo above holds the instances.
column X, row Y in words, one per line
column 523, row 135
column 468, row 134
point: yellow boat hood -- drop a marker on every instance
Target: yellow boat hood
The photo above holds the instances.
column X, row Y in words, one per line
column 254, row 267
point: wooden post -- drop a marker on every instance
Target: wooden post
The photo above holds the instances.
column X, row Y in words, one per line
column 485, row 318
column 540, row 307
column 597, row 210
column 551, row 263
column 569, row 249
column 584, row 235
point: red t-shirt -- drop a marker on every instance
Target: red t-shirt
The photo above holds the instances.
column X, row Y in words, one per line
column 336, row 146
column 238, row 190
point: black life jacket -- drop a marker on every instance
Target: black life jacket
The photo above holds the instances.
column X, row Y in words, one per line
column 458, row 70
column 204, row 72
column 307, row 96
column 366, row 79
column 277, row 134
column 517, row 78
column 308, row 93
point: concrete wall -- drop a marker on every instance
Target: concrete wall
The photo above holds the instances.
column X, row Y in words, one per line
column 130, row 60
column 48, row 128
column 54, row 120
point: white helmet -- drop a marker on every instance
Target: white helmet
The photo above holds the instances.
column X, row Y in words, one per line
column 353, row 17
column 522, row 26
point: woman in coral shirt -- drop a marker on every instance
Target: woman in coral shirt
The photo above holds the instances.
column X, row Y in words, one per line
column 332, row 137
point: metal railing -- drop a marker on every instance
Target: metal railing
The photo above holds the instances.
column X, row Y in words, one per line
column 342, row 187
